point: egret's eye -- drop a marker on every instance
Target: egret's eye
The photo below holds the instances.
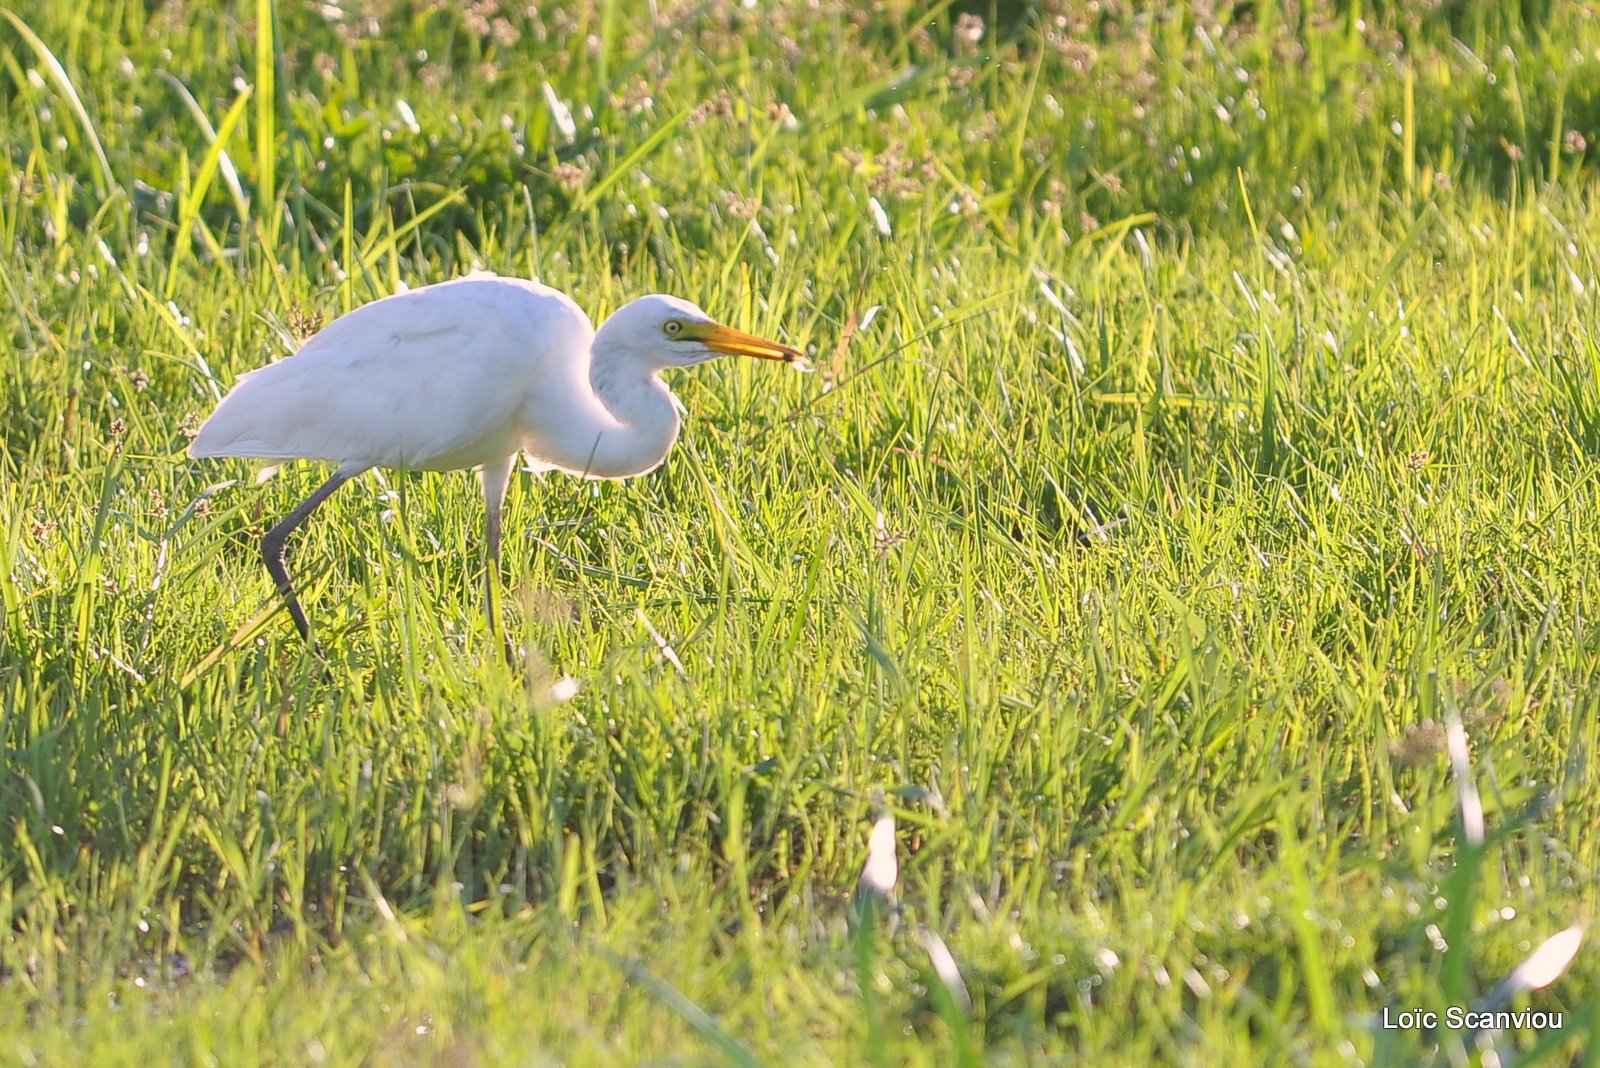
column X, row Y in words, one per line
column 674, row 327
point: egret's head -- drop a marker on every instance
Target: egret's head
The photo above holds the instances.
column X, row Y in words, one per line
column 668, row 332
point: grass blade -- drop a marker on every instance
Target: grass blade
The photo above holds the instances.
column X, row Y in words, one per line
column 104, row 181
column 195, row 197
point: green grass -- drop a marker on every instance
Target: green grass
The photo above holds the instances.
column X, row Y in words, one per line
column 1218, row 420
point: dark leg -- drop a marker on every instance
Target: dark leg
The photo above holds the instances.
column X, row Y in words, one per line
column 273, row 543
column 495, row 480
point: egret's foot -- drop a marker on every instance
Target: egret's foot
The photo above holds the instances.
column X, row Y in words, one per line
column 322, row 658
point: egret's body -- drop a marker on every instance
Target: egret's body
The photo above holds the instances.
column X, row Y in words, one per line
column 470, row 374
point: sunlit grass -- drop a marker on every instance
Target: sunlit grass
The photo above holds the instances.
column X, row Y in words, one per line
column 1203, row 427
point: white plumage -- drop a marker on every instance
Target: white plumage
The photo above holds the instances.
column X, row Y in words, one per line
column 470, row 373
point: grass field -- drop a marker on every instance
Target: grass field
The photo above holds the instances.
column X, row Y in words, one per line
column 1189, row 524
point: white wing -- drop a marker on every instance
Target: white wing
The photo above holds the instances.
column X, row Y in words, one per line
column 432, row 379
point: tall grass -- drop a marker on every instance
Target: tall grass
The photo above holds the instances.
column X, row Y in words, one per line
column 1183, row 541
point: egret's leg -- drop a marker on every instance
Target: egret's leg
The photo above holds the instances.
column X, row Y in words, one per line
column 273, row 544
column 495, row 480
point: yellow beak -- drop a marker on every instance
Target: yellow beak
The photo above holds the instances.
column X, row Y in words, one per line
column 731, row 342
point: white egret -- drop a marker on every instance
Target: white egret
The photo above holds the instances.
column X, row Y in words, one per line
column 471, row 373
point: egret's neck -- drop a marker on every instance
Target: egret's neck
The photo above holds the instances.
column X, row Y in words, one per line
column 647, row 421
